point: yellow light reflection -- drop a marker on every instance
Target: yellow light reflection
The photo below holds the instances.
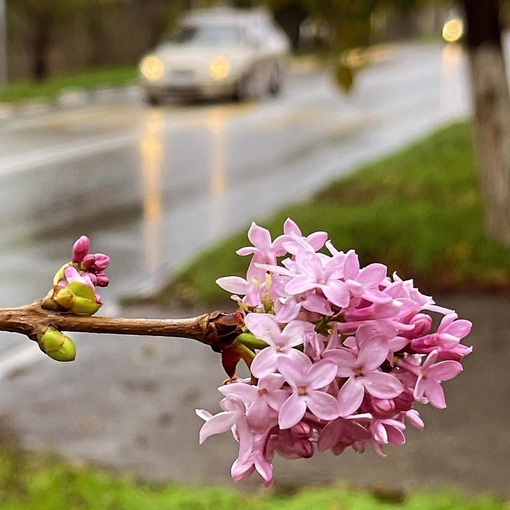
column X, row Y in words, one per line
column 451, row 81
column 453, row 30
column 217, row 123
column 151, row 151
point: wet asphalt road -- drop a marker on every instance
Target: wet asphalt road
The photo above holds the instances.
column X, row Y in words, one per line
column 151, row 186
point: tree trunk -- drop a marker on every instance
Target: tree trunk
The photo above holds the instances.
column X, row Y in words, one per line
column 40, row 53
column 491, row 113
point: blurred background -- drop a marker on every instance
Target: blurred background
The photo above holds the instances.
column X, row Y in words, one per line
column 160, row 128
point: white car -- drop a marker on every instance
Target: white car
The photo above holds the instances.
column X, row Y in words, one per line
column 217, row 53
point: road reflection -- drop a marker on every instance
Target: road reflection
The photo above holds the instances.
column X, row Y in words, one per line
column 217, row 124
column 152, row 151
column 453, row 101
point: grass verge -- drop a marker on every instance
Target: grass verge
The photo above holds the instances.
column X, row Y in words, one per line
column 49, row 89
column 418, row 211
column 44, row 482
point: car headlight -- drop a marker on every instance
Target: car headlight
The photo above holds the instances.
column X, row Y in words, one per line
column 152, row 67
column 453, row 30
column 219, row 68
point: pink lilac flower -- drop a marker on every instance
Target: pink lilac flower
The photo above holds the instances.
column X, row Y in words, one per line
column 256, row 460
column 233, row 417
column 280, row 342
column 365, row 282
column 363, row 374
column 261, row 400
column 307, row 381
column 446, row 341
column 387, row 431
column 431, row 375
column 250, row 289
column 314, row 274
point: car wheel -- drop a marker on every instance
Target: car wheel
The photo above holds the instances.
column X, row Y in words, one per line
column 152, row 100
column 275, row 83
column 245, row 89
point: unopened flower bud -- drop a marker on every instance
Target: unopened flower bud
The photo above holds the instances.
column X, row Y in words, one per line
column 422, row 325
column 77, row 297
column 80, row 249
column 304, row 448
column 301, row 430
column 88, row 261
column 102, row 261
column 102, row 280
column 55, row 344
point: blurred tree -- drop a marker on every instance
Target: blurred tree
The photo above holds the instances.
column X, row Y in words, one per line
column 351, row 23
column 44, row 18
column 491, row 112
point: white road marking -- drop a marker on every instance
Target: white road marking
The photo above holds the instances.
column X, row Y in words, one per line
column 19, row 358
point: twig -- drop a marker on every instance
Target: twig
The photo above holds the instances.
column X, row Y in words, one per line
column 216, row 329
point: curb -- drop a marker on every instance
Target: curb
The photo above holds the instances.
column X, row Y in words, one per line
column 69, row 98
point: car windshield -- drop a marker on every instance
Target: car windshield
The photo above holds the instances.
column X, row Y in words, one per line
column 206, row 34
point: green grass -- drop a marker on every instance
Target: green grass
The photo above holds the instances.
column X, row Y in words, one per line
column 418, row 211
column 49, row 89
column 43, row 482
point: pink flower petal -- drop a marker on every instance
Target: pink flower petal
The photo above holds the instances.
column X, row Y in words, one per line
column 321, row 374
column 351, row 267
column 300, row 284
column 373, row 353
column 372, row 275
column 350, row 396
column 233, row 284
column 265, row 362
column 219, row 423
column 291, row 412
column 445, row 370
column 435, row 394
column 323, row 405
column 259, row 236
column 293, row 371
column 344, row 360
column 263, row 326
column 382, row 385
column 337, row 292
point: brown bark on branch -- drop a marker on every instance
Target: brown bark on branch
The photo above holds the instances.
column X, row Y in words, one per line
column 217, row 329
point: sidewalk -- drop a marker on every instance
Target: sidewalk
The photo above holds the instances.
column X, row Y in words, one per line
column 129, row 403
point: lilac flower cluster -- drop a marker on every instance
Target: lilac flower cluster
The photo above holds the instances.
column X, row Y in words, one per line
column 340, row 353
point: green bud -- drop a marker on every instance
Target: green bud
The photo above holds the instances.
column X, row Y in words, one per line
column 251, row 341
column 55, row 344
column 77, row 297
column 49, row 303
column 64, row 297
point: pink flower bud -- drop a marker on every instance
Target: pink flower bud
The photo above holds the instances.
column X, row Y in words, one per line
column 88, row 261
column 404, row 401
column 301, row 431
column 422, row 325
column 102, row 280
column 304, row 448
column 102, row 261
column 383, row 406
column 80, row 249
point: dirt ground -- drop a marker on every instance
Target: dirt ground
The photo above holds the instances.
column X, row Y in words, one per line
column 129, row 403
